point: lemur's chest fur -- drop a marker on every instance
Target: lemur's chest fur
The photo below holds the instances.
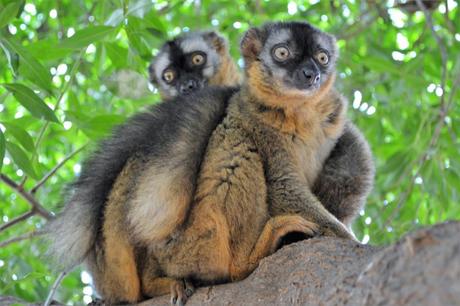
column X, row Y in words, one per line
column 308, row 155
column 308, row 133
column 319, row 128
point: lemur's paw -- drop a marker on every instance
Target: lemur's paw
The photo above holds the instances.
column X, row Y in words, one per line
column 181, row 290
column 292, row 228
column 97, row 302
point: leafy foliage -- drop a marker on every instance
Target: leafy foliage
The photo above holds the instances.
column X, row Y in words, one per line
column 70, row 70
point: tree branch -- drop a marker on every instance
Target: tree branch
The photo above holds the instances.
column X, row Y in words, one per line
column 56, row 284
column 55, row 169
column 36, row 206
column 21, row 238
column 17, row 220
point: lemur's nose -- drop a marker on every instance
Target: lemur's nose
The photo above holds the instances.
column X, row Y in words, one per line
column 188, row 86
column 312, row 77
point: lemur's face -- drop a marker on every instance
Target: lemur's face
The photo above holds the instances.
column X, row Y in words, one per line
column 186, row 63
column 290, row 58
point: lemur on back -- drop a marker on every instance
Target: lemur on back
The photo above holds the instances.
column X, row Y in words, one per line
column 203, row 186
column 192, row 61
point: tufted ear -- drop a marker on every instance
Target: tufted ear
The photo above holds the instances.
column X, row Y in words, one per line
column 152, row 77
column 251, row 44
column 216, row 40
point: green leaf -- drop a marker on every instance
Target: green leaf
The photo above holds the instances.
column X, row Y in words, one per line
column 139, row 8
column 2, row 148
column 94, row 127
column 31, row 101
column 20, row 159
column 153, row 20
column 116, row 18
column 32, row 69
column 46, row 50
column 87, row 36
column 9, row 12
column 20, row 135
column 136, row 36
column 100, row 125
column 11, row 57
column 118, row 55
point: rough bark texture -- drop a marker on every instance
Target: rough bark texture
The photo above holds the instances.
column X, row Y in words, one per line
column 423, row 268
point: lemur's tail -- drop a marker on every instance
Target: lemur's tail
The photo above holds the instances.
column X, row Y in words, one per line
column 73, row 232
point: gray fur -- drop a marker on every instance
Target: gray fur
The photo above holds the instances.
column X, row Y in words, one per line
column 347, row 176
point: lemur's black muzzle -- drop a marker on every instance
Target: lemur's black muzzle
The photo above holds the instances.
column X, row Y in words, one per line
column 308, row 75
column 311, row 76
column 189, row 86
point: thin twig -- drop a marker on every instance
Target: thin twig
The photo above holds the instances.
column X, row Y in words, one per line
column 21, row 238
column 55, row 286
column 17, row 220
column 363, row 23
column 441, row 45
column 36, row 206
column 55, row 169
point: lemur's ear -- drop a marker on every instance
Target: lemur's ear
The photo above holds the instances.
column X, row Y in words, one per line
column 251, row 44
column 152, row 77
column 216, row 40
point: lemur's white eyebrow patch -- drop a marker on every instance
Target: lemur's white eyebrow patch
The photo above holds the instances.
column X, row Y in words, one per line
column 161, row 62
column 195, row 43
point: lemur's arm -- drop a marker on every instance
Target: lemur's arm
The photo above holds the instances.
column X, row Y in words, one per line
column 347, row 176
column 289, row 194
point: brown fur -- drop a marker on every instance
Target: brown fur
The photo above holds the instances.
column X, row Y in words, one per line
column 112, row 262
column 227, row 74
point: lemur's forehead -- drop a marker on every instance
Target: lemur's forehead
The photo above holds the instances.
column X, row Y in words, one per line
column 299, row 37
column 278, row 36
column 323, row 40
column 195, row 43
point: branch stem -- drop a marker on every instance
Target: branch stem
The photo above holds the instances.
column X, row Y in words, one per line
column 17, row 220
column 36, row 206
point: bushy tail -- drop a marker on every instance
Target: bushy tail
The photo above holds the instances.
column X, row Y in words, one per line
column 72, row 234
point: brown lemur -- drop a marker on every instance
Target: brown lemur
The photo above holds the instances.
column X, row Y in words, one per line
column 151, row 201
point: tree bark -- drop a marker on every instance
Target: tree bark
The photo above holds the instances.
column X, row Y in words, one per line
column 423, row 268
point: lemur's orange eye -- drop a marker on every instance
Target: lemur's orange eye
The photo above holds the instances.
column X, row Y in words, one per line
column 169, row 75
column 322, row 58
column 197, row 59
column 281, row 53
